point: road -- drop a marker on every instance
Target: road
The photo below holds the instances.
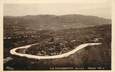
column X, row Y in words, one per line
column 13, row 52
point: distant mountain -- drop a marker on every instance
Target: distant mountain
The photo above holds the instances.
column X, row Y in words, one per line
column 53, row 22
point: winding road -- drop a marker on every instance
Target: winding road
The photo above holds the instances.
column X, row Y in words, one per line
column 13, row 52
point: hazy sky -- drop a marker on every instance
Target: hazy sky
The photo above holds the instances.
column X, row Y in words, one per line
column 100, row 8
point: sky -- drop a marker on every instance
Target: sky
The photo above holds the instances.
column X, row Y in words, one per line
column 101, row 8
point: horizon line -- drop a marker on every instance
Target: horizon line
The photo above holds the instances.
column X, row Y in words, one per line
column 55, row 15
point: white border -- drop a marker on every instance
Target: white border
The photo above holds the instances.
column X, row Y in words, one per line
column 53, row 1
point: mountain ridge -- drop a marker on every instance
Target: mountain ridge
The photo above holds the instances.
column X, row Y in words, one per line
column 55, row 22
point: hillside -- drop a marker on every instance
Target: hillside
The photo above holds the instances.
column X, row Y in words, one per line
column 51, row 31
column 69, row 38
column 83, row 59
column 53, row 22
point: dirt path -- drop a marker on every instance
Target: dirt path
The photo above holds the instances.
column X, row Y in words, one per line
column 13, row 52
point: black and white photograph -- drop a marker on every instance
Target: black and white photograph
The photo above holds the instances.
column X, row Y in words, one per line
column 57, row 36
